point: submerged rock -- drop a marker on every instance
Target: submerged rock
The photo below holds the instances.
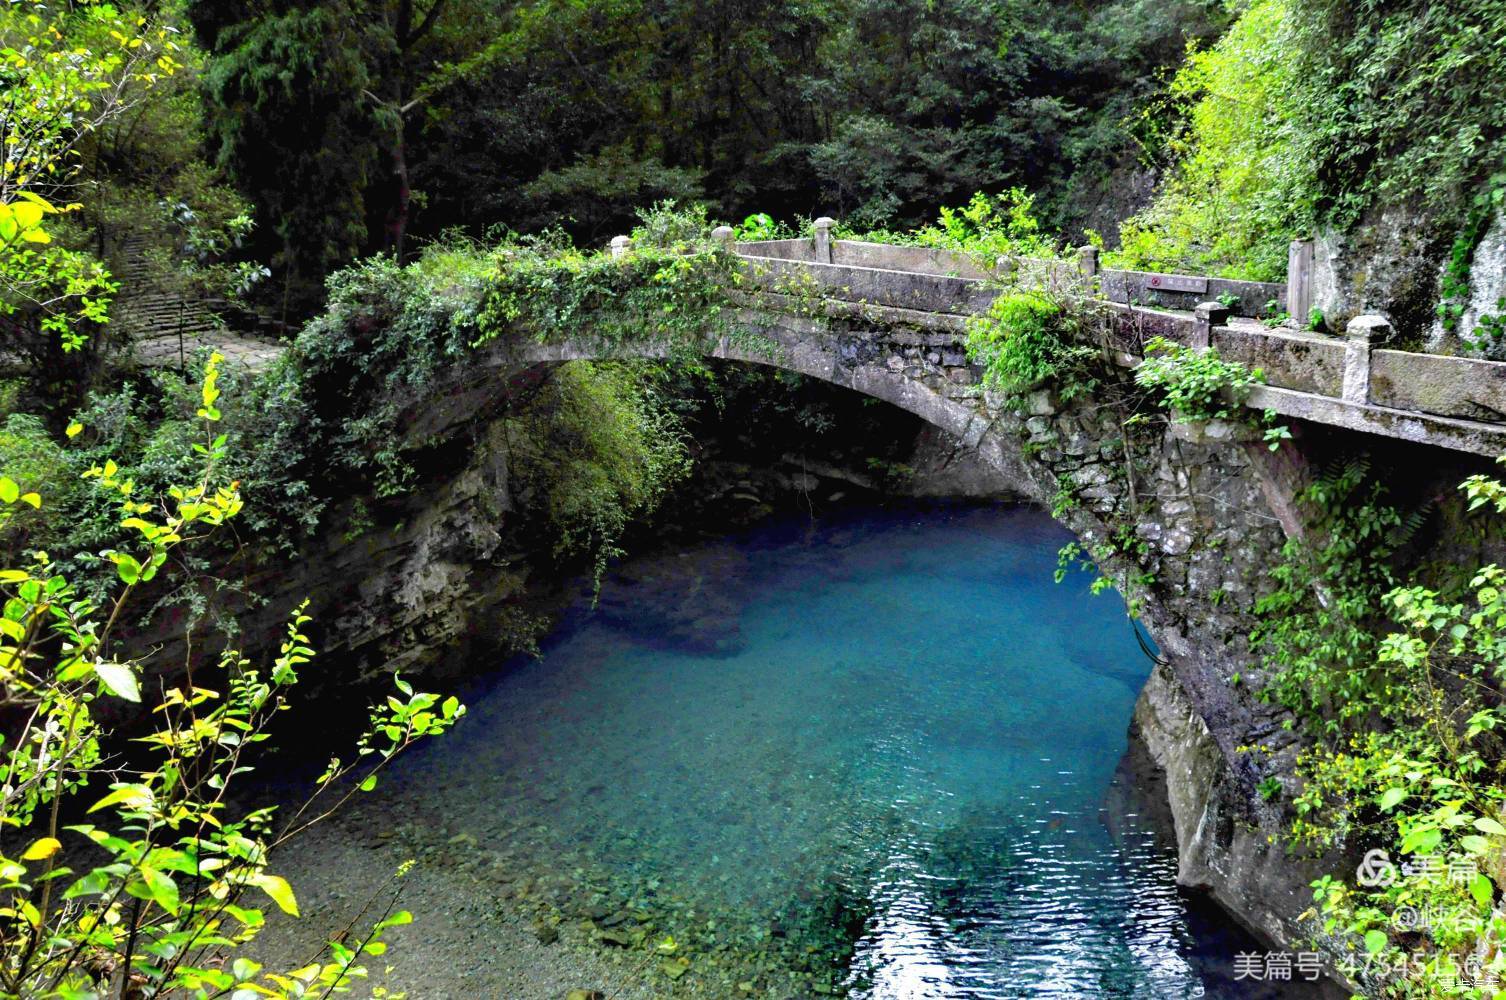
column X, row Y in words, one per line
column 681, row 600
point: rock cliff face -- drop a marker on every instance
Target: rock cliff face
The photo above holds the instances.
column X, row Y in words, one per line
column 1487, row 299
column 1387, row 264
column 1219, row 850
column 1190, row 519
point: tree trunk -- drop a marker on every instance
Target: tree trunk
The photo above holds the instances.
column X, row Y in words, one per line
column 397, row 219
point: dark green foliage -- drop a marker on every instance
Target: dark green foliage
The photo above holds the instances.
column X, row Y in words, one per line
column 1404, row 101
column 574, row 114
column 284, row 83
column 386, row 331
column 604, row 440
column 1455, row 292
column 1195, row 385
column 667, row 298
column 597, row 448
column 1319, row 626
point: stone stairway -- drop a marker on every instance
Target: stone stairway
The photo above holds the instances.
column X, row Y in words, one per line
column 166, row 328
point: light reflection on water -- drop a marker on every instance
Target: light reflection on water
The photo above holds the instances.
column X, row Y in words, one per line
column 892, row 731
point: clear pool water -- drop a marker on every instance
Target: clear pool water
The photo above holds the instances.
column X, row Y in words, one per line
column 879, row 750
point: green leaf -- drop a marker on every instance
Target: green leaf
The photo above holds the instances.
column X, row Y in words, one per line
column 1487, row 825
column 1375, row 941
column 9, row 491
column 369, row 783
column 1481, row 888
column 244, row 970
column 1423, row 840
column 134, row 796
column 92, row 884
column 396, row 920
column 120, row 680
column 280, row 892
column 126, row 566
column 1391, row 798
column 1474, row 844
column 163, row 889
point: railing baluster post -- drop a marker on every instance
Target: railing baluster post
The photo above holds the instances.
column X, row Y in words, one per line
column 822, row 227
column 1365, row 333
column 1299, row 280
column 621, row 245
column 1206, row 316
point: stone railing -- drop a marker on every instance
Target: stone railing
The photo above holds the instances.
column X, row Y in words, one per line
column 1354, row 381
column 1141, row 288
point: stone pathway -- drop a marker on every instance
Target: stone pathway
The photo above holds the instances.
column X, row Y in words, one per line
column 166, row 329
column 168, row 351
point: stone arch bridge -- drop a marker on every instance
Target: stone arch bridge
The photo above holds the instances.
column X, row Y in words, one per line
column 893, row 321
column 1189, row 519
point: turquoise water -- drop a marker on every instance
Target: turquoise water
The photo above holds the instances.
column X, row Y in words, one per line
column 876, row 753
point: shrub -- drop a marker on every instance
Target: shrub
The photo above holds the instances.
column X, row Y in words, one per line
column 1197, row 386
column 151, row 892
column 1025, row 341
column 986, row 228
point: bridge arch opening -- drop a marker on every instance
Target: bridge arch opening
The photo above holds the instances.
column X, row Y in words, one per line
column 931, row 383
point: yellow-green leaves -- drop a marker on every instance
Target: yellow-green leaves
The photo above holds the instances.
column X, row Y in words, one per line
column 126, row 566
column 119, row 679
column 21, row 221
column 42, row 849
column 159, row 888
column 132, row 797
column 276, row 887
column 11, row 493
column 210, row 392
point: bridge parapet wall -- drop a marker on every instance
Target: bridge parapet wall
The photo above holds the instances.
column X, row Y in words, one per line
column 1449, row 402
column 1147, row 288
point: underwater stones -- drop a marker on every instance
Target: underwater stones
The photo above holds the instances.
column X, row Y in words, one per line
column 546, row 931
column 617, row 937
column 679, row 602
column 585, row 995
column 674, row 968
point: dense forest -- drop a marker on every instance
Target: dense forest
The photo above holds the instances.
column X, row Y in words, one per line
column 368, row 192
